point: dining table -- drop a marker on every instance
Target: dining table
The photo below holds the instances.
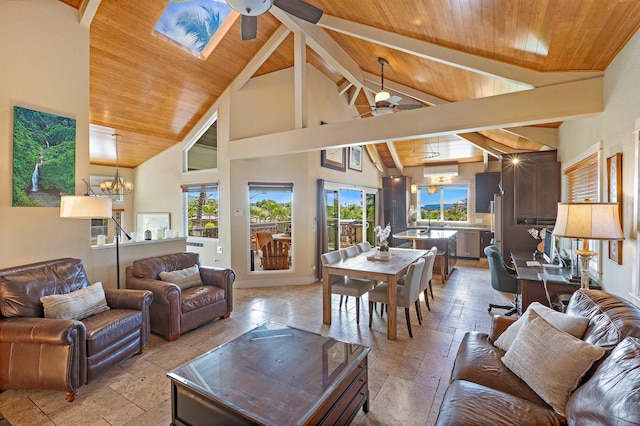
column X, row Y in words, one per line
column 369, row 265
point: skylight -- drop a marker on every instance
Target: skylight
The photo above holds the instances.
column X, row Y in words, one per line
column 191, row 24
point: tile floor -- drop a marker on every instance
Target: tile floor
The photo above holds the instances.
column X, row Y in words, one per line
column 407, row 377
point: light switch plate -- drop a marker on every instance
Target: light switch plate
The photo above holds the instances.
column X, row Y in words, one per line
column 239, row 212
column 220, row 249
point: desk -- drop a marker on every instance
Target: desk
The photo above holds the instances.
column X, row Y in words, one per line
column 532, row 287
column 361, row 267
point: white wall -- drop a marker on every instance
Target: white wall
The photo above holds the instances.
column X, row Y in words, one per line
column 45, row 67
column 614, row 127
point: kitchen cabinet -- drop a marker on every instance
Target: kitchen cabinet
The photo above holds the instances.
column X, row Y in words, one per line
column 468, row 244
column 395, row 197
column 485, row 240
column 487, row 184
column 536, row 193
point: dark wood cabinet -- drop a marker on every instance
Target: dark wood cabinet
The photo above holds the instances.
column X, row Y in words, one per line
column 487, row 184
column 485, row 240
column 395, row 198
column 536, row 193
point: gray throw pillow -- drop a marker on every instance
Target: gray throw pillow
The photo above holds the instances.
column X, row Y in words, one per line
column 574, row 325
column 76, row 305
column 183, row 278
column 549, row 360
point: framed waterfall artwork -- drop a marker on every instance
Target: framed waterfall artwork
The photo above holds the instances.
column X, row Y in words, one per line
column 44, row 158
column 614, row 190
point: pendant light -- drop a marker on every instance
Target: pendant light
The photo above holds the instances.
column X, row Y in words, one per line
column 117, row 186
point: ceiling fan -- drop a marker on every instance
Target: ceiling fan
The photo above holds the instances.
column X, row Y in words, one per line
column 250, row 9
column 385, row 103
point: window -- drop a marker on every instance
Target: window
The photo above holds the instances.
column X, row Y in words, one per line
column 448, row 203
column 203, row 154
column 106, row 227
column 270, row 208
column 202, row 209
column 191, row 25
column 581, row 181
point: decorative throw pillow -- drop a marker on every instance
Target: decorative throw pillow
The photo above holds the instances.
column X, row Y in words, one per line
column 574, row 325
column 183, row 278
column 549, row 360
column 612, row 395
column 76, row 305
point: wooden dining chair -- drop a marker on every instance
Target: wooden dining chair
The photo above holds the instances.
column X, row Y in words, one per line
column 406, row 295
column 346, row 286
column 275, row 255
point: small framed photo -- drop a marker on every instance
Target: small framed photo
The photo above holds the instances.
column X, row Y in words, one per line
column 355, row 158
column 334, row 158
column 614, row 190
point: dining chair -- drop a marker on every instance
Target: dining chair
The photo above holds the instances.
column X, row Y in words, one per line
column 344, row 285
column 350, row 251
column 406, row 295
column 364, row 246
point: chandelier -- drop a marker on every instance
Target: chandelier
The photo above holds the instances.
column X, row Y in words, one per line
column 426, row 153
column 117, row 186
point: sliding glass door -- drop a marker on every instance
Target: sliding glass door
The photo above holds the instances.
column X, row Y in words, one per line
column 351, row 215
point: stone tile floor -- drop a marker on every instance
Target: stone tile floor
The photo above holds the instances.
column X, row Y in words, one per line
column 407, row 377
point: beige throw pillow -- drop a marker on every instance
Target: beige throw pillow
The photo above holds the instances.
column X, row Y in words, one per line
column 76, row 305
column 574, row 325
column 183, row 278
column 550, row 361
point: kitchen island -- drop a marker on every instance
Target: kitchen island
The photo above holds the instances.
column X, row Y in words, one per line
column 444, row 240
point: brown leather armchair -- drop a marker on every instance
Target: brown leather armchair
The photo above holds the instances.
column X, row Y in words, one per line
column 59, row 354
column 175, row 311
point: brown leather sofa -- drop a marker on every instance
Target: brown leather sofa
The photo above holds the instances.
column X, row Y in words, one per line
column 175, row 311
column 59, row 354
column 484, row 391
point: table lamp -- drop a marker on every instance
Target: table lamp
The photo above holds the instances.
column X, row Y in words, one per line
column 88, row 207
column 588, row 221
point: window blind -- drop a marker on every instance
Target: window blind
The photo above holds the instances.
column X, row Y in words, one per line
column 581, row 181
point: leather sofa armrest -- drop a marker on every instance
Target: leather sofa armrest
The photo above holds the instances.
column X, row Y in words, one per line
column 59, row 345
column 222, row 278
column 48, row 331
column 163, row 293
column 139, row 300
column 499, row 323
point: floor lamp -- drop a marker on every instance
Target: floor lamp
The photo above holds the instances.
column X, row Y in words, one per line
column 588, row 221
column 87, row 207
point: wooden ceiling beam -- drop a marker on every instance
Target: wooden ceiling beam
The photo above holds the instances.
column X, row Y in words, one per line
column 300, row 79
column 260, row 57
column 481, row 142
column 454, row 58
column 87, row 11
column 323, row 45
column 395, row 157
column 544, row 135
column 561, row 102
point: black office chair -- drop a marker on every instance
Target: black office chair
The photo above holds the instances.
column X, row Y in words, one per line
column 503, row 278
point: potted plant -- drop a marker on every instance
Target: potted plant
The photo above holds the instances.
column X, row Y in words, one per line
column 382, row 234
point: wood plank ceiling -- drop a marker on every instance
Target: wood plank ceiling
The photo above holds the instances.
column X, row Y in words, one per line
column 153, row 93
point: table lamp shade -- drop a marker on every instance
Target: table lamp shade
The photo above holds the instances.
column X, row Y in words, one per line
column 591, row 221
column 84, row 207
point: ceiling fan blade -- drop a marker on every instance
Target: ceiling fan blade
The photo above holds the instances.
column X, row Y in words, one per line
column 408, row 106
column 249, row 27
column 301, row 9
column 394, row 99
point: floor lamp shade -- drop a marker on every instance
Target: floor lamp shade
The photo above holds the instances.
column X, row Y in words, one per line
column 591, row 221
column 84, row 207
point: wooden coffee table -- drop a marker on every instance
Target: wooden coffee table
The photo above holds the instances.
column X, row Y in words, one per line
column 272, row 375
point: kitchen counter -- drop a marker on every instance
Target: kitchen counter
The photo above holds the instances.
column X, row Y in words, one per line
column 422, row 234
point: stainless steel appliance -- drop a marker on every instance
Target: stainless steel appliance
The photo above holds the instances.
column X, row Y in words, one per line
column 496, row 220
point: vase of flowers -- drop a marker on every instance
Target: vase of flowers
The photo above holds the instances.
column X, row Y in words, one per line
column 413, row 215
column 538, row 234
column 381, row 235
